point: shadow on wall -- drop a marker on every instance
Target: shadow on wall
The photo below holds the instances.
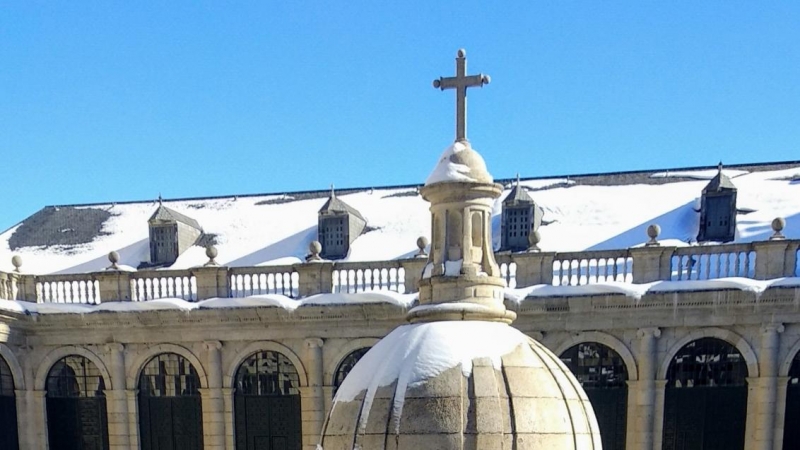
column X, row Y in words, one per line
column 131, row 255
column 294, row 245
column 681, row 223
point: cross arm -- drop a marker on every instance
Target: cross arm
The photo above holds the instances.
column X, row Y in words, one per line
column 456, row 82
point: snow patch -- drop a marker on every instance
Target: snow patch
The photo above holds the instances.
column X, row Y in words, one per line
column 453, row 268
column 446, row 170
column 698, row 174
column 412, row 354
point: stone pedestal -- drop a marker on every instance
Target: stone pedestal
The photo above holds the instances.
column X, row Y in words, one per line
column 212, row 281
column 651, row 263
column 534, row 268
column 315, row 278
column 772, row 258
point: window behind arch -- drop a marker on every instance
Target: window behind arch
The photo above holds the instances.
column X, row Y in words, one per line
column 346, row 366
column 596, row 365
column 169, row 375
column 75, row 376
column 267, row 373
column 6, row 379
column 707, row 362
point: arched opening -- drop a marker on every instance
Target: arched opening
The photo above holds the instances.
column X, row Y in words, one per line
column 8, row 408
column 603, row 375
column 170, row 409
column 76, row 405
column 791, row 433
column 267, row 403
column 346, row 366
column 705, row 403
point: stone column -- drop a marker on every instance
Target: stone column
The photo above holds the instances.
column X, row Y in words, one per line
column 38, row 419
column 212, row 399
column 227, row 402
column 117, row 400
column 312, row 397
column 646, row 415
column 767, row 389
column 23, row 418
column 658, row 414
column 132, row 396
column 780, row 413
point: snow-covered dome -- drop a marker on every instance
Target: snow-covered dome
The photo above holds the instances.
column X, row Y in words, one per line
column 457, row 385
column 459, row 162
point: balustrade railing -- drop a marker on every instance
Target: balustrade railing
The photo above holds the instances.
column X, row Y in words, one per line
column 713, row 261
column 762, row 260
column 580, row 268
column 153, row 285
column 249, row 281
column 351, row 277
column 77, row 288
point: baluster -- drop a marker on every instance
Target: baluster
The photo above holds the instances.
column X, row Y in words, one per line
column 285, row 280
column 719, row 265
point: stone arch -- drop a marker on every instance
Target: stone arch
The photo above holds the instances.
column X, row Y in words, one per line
column 51, row 358
column 783, row 370
column 273, row 346
column 728, row 336
column 606, row 339
column 13, row 364
column 330, row 368
column 155, row 350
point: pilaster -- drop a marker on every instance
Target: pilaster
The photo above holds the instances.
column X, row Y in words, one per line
column 767, row 390
column 227, row 402
column 647, row 416
column 117, row 400
column 212, row 399
column 38, row 419
column 780, row 413
column 132, row 396
column 312, row 396
column 658, row 415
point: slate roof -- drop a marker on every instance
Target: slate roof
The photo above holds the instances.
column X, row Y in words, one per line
column 335, row 205
column 518, row 195
column 720, row 182
column 170, row 215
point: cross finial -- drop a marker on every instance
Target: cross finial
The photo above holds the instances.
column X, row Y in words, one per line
column 460, row 83
column 160, row 200
column 333, row 194
column 517, row 178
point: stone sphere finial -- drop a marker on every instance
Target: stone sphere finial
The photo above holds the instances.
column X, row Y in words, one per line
column 534, row 237
column 314, row 249
column 462, row 53
column 16, row 261
column 113, row 258
column 422, row 243
column 778, row 224
column 652, row 232
column 211, row 253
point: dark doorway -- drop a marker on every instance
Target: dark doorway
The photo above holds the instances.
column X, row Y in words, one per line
column 705, row 404
column 346, row 366
column 170, row 410
column 8, row 408
column 791, row 433
column 76, row 405
column 267, row 403
column 603, row 375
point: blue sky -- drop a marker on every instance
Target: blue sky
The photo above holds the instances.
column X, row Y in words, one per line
column 113, row 101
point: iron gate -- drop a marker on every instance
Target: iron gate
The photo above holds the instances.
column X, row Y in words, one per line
column 705, row 401
column 170, row 408
column 267, row 403
column 76, row 406
column 603, row 376
column 171, row 423
column 791, row 433
column 8, row 409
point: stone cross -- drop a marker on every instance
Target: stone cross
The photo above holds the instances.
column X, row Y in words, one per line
column 460, row 83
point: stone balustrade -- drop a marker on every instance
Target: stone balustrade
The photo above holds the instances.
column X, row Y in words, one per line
column 758, row 260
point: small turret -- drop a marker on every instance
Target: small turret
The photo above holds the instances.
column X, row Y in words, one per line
column 718, row 209
column 338, row 225
column 521, row 217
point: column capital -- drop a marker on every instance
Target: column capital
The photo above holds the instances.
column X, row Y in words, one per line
column 654, row 332
column 212, row 345
column 661, row 384
column 132, row 393
column 314, row 343
column 769, row 328
column 114, row 346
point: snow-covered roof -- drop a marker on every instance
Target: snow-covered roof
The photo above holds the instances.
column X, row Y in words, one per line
column 580, row 213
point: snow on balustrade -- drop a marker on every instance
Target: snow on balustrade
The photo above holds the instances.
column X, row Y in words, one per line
column 249, row 281
column 713, row 261
column 362, row 277
column 581, row 268
column 153, row 285
column 67, row 289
